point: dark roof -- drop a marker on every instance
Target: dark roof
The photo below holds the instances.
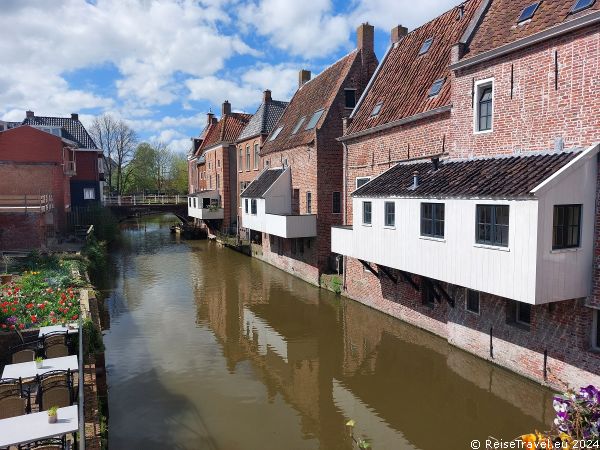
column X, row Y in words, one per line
column 262, row 184
column 227, row 129
column 264, row 119
column 512, row 176
column 499, row 25
column 404, row 78
column 318, row 93
column 73, row 129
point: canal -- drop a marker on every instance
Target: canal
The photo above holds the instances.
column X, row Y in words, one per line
column 210, row 349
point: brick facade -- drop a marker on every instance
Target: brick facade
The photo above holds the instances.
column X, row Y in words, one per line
column 247, row 171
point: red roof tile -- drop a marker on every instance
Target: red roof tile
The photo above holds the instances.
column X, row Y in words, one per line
column 499, row 25
column 227, row 129
column 405, row 77
column 318, row 93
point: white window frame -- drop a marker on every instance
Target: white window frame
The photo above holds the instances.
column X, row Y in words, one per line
column 86, row 192
column 385, row 214
column 256, row 155
column 360, row 178
column 479, row 86
column 478, row 301
column 247, row 157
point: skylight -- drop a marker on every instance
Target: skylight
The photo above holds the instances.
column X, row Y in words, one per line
column 275, row 134
column 314, row 119
column 376, row 109
column 580, row 5
column 528, row 12
column 298, row 124
column 436, row 87
column 425, row 46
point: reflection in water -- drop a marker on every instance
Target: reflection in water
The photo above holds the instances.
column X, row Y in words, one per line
column 208, row 348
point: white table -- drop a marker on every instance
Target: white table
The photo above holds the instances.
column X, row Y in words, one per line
column 55, row 328
column 32, row 427
column 29, row 369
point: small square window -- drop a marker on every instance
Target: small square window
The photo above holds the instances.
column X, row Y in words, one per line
column 89, row 194
column 336, row 203
column 425, row 46
column 528, row 12
column 523, row 313
column 361, row 181
column 436, row 87
column 350, row 98
column 492, row 225
column 473, row 298
column 253, row 207
column 390, row 214
column 376, row 109
column 367, row 213
column 314, row 119
column 432, row 219
column 566, row 230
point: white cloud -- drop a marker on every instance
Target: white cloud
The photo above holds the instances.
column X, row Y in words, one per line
column 305, row 28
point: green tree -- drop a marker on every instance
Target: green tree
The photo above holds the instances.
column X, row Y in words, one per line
column 179, row 174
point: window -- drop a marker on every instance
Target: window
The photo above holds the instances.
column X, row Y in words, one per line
column 425, row 46
column 298, row 124
column 241, row 160
column 246, row 205
column 566, row 229
column 436, row 87
column 253, row 207
column 195, row 202
column 267, row 164
column 190, row 202
column 301, row 246
column 484, row 108
column 308, row 203
column 210, row 181
column 247, row 157
column 376, row 109
column 218, row 181
column 580, row 5
column 336, row 207
column 492, row 225
column 390, row 214
column 218, row 163
column 360, row 181
column 367, row 213
column 432, row 219
column 89, row 194
column 275, row 134
column 596, row 330
column 524, row 313
column 528, row 12
column 472, row 304
column 427, row 293
column 350, row 98
column 256, row 155
column 314, row 119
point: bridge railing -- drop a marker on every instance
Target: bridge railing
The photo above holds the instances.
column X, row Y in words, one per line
column 141, row 200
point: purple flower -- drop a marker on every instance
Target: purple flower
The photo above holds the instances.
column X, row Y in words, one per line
column 11, row 320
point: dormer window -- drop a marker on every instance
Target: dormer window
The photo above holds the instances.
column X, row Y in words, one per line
column 580, row 5
column 436, row 87
column 350, row 98
column 298, row 124
column 376, row 109
column 425, row 46
column 314, row 119
column 275, row 134
column 528, row 12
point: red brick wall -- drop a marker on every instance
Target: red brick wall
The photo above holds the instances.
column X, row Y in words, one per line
column 537, row 113
column 86, row 166
column 24, row 231
column 220, row 160
column 244, row 175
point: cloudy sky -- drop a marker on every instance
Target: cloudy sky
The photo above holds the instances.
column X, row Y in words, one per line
column 161, row 64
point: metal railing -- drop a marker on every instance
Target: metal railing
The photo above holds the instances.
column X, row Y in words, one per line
column 28, row 203
column 139, row 200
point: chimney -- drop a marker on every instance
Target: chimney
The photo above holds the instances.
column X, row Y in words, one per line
column 303, row 77
column 365, row 37
column 266, row 96
column 461, row 11
column 74, row 116
column 226, row 108
column 457, row 52
column 397, row 33
column 209, row 117
column 29, row 114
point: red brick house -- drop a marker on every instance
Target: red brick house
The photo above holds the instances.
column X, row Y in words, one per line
column 470, row 182
column 36, row 167
column 213, row 192
column 297, row 198
column 249, row 143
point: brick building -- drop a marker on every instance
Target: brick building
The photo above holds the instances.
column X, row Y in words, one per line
column 297, row 197
column 249, row 143
column 213, row 181
column 470, row 185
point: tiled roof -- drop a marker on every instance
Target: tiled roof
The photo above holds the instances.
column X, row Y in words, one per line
column 499, row 25
column 264, row 119
column 227, row 129
column 73, row 129
column 404, row 78
column 258, row 187
column 513, row 176
column 318, row 93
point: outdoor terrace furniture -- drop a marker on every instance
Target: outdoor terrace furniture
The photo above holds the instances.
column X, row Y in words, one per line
column 28, row 370
column 72, row 328
column 12, row 385
column 45, row 444
column 23, row 352
column 55, row 388
column 34, row 427
column 55, row 344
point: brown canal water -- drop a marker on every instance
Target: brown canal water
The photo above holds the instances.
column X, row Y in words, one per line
column 210, row 349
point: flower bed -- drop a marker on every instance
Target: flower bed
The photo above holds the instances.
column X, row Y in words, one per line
column 39, row 298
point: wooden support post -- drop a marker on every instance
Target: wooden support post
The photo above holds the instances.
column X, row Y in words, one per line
column 385, row 270
column 369, row 268
column 445, row 294
column 406, row 277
